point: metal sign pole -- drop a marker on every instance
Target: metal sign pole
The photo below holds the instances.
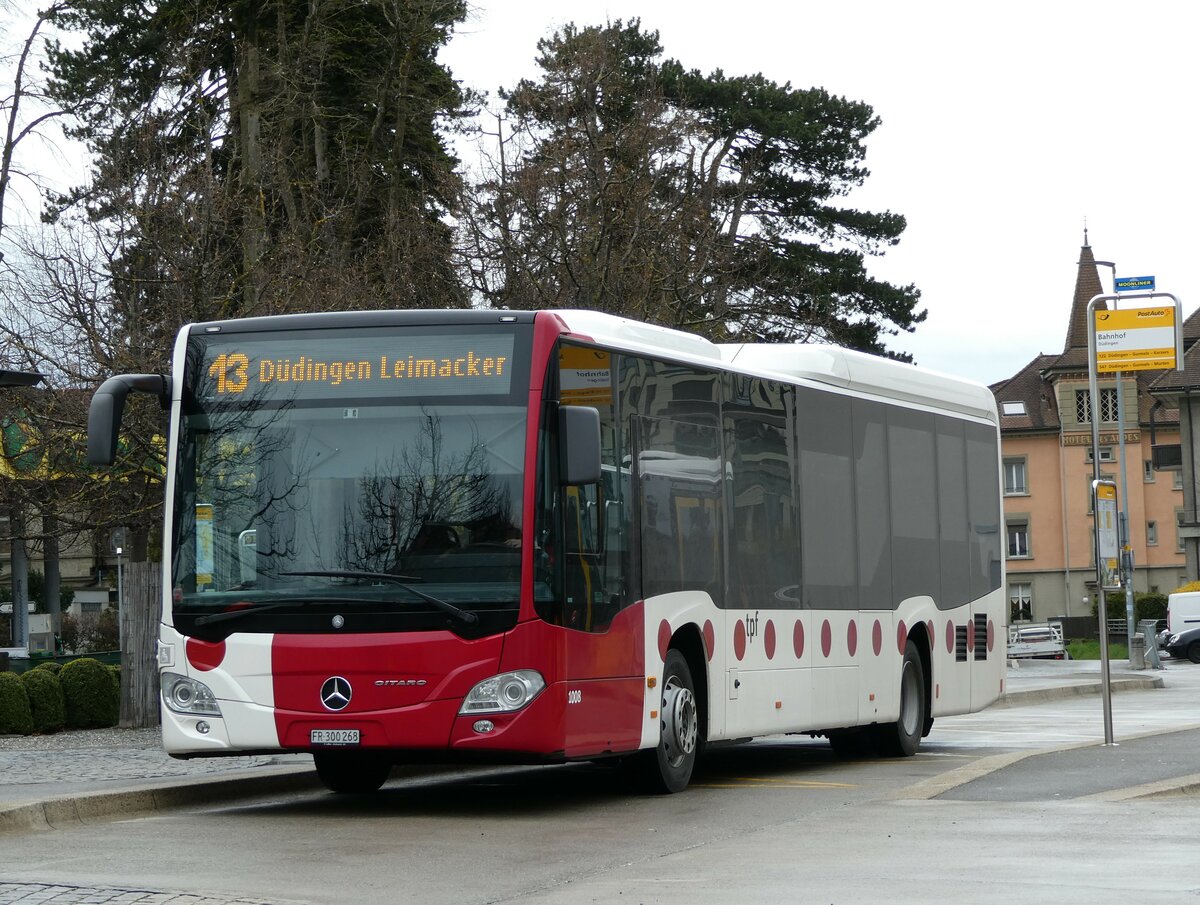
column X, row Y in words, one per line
column 1103, row 580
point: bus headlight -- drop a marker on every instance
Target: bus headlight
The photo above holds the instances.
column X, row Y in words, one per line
column 504, row 693
column 184, row 695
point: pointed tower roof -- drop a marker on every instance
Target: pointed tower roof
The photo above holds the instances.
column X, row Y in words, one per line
column 1087, row 286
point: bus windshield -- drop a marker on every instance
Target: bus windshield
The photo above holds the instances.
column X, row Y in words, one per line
column 338, row 473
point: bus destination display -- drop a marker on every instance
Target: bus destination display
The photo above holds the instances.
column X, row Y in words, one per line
column 330, row 367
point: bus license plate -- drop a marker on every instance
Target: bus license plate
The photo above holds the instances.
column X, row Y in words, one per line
column 333, row 736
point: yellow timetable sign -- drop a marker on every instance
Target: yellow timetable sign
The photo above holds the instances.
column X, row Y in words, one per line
column 1135, row 339
column 584, row 376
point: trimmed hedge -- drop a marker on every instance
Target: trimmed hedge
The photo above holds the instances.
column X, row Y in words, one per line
column 15, row 717
column 92, row 694
column 46, row 701
column 1146, row 605
column 52, row 666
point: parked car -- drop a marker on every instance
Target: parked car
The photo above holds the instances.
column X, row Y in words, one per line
column 1184, row 644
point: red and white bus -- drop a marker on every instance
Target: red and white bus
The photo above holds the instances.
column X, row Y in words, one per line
column 562, row 535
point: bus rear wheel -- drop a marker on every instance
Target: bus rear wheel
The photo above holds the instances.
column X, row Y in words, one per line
column 903, row 737
column 668, row 767
column 352, row 772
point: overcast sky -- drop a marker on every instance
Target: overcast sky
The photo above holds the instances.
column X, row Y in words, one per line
column 1004, row 127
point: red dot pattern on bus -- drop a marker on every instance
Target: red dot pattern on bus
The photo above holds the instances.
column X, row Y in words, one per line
column 770, row 637
column 664, row 639
column 205, row 655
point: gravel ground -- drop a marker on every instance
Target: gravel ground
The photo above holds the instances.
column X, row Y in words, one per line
column 98, row 755
column 83, row 738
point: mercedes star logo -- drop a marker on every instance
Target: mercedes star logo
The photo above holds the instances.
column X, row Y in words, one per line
column 335, row 693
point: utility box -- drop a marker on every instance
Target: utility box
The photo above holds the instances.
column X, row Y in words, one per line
column 41, row 634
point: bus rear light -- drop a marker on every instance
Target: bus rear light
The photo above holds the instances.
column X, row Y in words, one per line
column 504, row 693
column 184, row 695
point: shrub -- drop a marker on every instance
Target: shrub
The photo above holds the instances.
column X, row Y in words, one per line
column 46, row 703
column 1146, row 605
column 15, row 717
column 52, row 666
column 93, row 697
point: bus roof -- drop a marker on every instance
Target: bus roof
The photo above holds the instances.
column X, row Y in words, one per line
column 791, row 362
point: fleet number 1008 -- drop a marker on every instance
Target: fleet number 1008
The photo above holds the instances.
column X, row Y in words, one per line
column 574, row 696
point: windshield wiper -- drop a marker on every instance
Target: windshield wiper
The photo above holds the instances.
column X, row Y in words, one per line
column 401, row 581
column 273, row 605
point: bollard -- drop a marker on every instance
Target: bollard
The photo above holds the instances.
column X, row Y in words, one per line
column 1137, row 651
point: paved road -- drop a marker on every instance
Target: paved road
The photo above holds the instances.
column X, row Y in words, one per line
column 763, row 821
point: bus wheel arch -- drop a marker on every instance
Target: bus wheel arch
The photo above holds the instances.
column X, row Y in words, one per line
column 690, row 644
column 903, row 737
column 924, row 647
column 683, row 717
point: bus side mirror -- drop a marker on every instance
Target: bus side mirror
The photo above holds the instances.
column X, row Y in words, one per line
column 108, row 405
column 578, row 444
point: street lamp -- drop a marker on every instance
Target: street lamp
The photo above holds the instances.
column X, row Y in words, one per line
column 19, row 565
column 120, row 594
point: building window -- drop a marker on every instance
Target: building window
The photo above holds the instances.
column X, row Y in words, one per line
column 1106, row 454
column 89, row 608
column 1012, row 408
column 1020, row 599
column 1018, row 539
column 1151, row 534
column 1178, row 530
column 1014, row 477
column 1148, row 471
column 1177, row 480
column 1108, row 405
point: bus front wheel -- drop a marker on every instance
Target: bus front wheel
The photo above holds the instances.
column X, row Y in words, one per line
column 352, row 773
column 903, row 737
column 668, row 767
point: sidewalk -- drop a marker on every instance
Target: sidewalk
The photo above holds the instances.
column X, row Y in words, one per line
column 72, row 777
column 1029, row 681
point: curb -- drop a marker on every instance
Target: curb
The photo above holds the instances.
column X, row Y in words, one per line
column 935, row 786
column 53, row 813
column 1058, row 692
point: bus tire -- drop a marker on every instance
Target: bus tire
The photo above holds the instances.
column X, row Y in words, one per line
column 903, row 737
column 352, row 773
column 667, row 767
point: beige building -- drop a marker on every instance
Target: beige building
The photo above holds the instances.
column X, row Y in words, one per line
column 1046, row 436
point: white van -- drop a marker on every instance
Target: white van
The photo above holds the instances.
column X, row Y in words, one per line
column 1183, row 612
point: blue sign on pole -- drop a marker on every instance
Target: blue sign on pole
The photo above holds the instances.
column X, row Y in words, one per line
column 1134, row 284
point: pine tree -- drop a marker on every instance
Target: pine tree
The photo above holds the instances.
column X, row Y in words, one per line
column 708, row 202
